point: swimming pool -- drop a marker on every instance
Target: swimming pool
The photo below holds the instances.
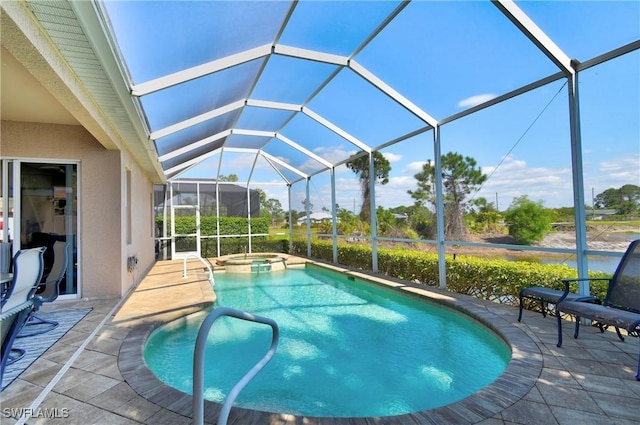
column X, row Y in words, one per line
column 347, row 349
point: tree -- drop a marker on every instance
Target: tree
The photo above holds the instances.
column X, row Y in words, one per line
column 385, row 220
column 381, row 169
column 273, row 207
column 527, row 221
column 263, row 197
column 305, row 201
column 459, row 178
column 347, row 221
column 625, row 200
column 483, row 216
column 480, row 205
column 229, row 178
column 566, row 214
column 295, row 215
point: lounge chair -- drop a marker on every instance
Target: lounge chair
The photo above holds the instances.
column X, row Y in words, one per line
column 18, row 301
column 11, row 321
column 28, row 265
column 548, row 296
column 621, row 305
column 50, row 290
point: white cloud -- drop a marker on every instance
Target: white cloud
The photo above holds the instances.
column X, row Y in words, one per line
column 475, row 100
column 625, row 167
column 513, row 178
column 414, row 167
column 333, row 153
column 613, row 173
column 392, row 157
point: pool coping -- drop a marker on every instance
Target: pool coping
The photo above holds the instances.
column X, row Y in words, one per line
column 512, row 385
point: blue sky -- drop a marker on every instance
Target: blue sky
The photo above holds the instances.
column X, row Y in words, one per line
column 523, row 144
column 442, row 56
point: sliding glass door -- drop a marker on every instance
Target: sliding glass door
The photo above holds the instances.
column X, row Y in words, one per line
column 41, row 209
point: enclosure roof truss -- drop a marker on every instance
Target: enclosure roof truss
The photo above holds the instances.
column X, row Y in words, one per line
column 290, row 81
column 184, row 153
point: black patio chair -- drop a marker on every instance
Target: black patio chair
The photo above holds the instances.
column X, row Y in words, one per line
column 11, row 322
column 621, row 305
column 48, row 291
column 548, row 296
column 18, row 302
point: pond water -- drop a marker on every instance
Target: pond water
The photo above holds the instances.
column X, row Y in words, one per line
column 607, row 264
column 596, row 263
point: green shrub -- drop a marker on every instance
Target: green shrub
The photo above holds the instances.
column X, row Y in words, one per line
column 494, row 280
column 228, row 225
column 527, row 221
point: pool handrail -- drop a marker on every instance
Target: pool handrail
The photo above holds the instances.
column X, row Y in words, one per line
column 192, row 255
column 198, row 362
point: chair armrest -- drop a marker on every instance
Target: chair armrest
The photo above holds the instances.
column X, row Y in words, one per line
column 579, row 279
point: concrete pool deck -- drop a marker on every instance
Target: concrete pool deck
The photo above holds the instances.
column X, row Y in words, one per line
column 94, row 374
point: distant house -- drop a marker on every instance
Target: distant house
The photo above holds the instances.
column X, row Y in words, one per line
column 599, row 214
column 316, row 218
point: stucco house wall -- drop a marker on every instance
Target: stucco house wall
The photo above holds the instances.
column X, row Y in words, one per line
column 142, row 246
column 102, row 190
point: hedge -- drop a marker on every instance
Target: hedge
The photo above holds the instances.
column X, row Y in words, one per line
column 228, row 225
column 494, row 280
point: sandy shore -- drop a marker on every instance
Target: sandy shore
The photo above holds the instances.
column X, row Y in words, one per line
column 613, row 238
column 599, row 242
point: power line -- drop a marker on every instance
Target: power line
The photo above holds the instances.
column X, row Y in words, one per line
column 520, row 138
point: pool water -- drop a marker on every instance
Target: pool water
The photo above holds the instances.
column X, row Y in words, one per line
column 347, row 349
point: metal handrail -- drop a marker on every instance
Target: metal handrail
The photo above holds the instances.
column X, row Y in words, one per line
column 192, row 255
column 198, row 362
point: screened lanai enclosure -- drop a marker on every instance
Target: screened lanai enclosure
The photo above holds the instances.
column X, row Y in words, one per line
column 541, row 98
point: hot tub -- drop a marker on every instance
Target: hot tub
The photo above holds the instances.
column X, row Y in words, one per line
column 253, row 263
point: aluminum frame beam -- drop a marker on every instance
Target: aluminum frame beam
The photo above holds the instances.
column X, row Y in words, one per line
column 535, row 34
column 200, row 70
column 195, row 145
column 284, row 164
column 392, row 93
column 303, row 150
column 192, row 162
column 337, row 130
column 312, row 55
column 273, row 105
column 197, row 120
